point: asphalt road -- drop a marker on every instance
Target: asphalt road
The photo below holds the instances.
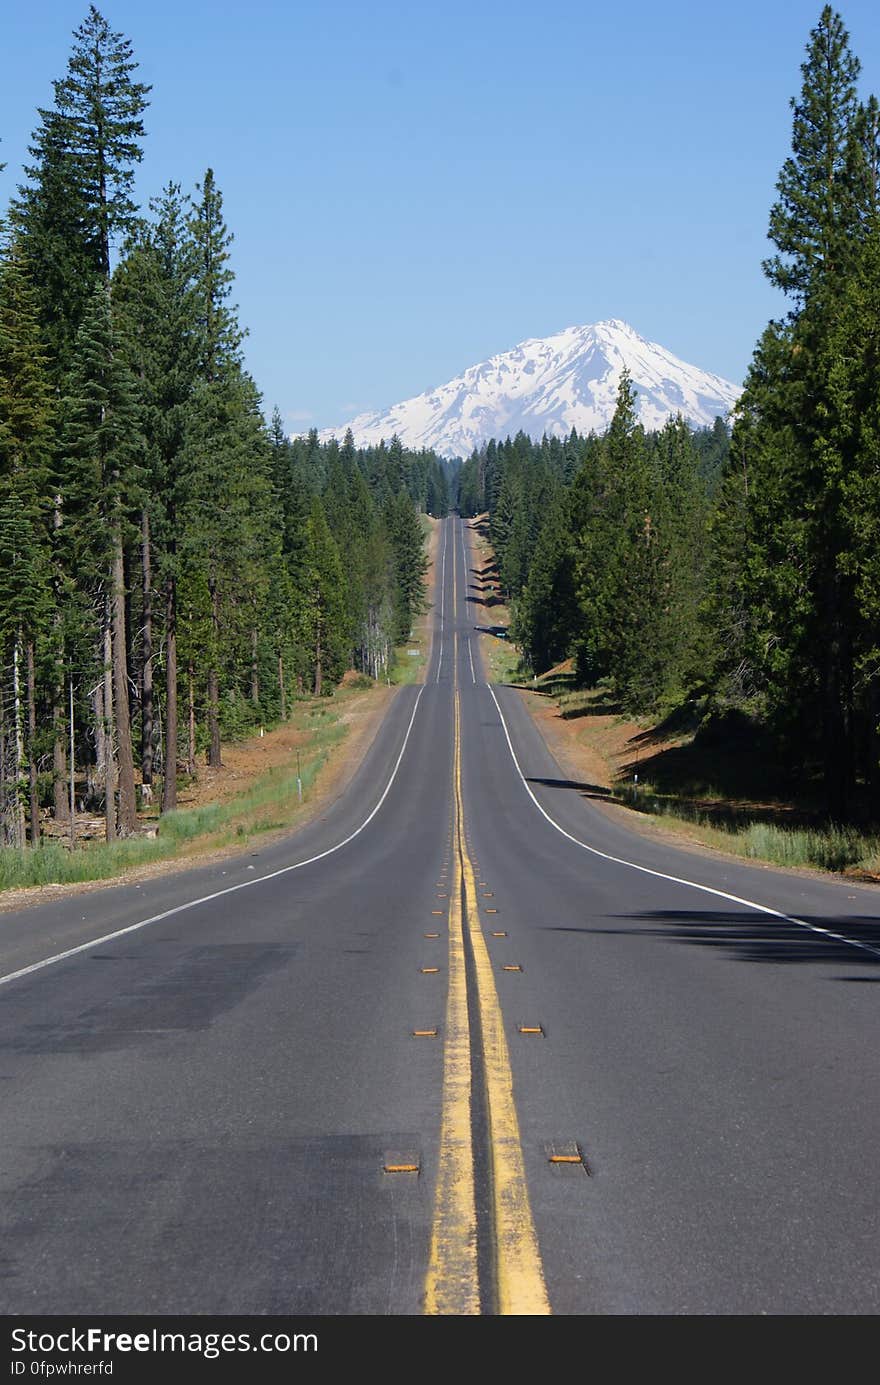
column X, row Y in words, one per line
column 642, row 1097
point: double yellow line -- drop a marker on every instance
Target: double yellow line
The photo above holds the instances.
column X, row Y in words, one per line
column 452, row 1285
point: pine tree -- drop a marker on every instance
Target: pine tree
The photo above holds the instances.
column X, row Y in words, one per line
column 50, row 215
column 610, row 507
column 546, row 615
column 76, row 205
column 214, row 467
column 812, row 221
column 797, row 523
column 26, row 436
column 322, row 602
column 221, row 336
column 681, row 513
column 79, row 197
column 410, row 563
column 99, row 108
column 100, row 437
column 155, row 297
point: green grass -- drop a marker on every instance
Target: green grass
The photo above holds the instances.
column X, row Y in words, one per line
column 832, row 847
column 502, row 659
column 52, row 864
column 271, row 803
column 407, row 668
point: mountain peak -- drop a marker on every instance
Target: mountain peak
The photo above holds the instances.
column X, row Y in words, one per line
column 549, row 385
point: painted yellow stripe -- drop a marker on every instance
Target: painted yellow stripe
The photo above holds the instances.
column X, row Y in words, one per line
column 519, row 1273
column 452, row 1285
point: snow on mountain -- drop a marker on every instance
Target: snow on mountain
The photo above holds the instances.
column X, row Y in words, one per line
column 549, row 385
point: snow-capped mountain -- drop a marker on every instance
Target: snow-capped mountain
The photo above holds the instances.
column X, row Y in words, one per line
column 549, row 385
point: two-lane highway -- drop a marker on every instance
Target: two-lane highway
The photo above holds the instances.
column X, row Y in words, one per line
column 464, row 1045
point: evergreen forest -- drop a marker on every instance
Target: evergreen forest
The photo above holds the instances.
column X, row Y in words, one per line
column 173, row 569
column 735, row 570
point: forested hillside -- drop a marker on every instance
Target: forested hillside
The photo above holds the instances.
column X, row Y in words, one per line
column 172, row 570
column 740, row 574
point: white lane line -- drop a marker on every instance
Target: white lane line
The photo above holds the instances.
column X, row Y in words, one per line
column 229, row 889
column 674, row 879
column 442, row 599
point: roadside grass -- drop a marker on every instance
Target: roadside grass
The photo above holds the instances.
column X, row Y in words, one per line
column 832, row 847
column 409, row 661
column 720, row 786
column 270, row 804
column 502, row 659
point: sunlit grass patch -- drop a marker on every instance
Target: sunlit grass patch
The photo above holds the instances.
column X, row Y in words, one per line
column 832, row 847
column 271, row 803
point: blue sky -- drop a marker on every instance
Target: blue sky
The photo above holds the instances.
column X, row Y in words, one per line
column 413, row 187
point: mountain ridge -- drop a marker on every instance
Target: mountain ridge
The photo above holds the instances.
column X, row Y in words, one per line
column 549, row 385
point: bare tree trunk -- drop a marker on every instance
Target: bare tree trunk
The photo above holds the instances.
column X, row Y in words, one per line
column 72, row 749
column 169, row 789
column 59, row 756
column 59, row 763
column 3, row 831
column 109, row 750
column 191, row 739
column 255, row 669
column 147, row 709
column 214, row 758
column 281, row 687
column 18, row 821
column 127, row 799
column 33, row 795
column 318, row 657
column 95, row 774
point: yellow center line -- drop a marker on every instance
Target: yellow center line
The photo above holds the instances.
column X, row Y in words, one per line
column 519, row 1273
column 452, row 1284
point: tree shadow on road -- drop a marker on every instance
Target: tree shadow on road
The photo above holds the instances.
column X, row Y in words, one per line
column 584, row 789
column 747, row 938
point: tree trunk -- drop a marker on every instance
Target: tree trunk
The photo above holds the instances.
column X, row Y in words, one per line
column 191, row 727
column 872, row 749
column 60, row 806
column 107, row 715
column 147, row 708
column 318, row 656
column 127, row 799
column 281, row 687
column 4, row 833
column 59, row 733
column 214, row 758
column 169, row 788
column 837, row 699
column 59, row 763
column 18, row 820
column 33, row 796
column 72, row 748
column 255, row 669
column 95, row 774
